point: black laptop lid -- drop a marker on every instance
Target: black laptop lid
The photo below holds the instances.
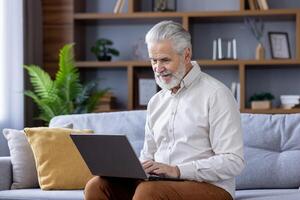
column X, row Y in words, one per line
column 109, row 155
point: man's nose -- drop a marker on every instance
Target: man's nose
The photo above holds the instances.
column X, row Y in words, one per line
column 159, row 68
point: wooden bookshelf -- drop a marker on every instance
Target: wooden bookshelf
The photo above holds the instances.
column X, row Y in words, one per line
column 74, row 18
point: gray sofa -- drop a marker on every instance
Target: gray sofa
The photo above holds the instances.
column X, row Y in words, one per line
column 272, row 153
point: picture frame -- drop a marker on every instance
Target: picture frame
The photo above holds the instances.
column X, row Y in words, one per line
column 164, row 5
column 145, row 88
column 279, row 45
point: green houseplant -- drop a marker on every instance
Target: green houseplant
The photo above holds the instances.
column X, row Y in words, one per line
column 261, row 100
column 65, row 94
column 103, row 51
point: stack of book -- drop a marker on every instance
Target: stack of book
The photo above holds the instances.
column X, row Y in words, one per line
column 258, row 5
column 106, row 103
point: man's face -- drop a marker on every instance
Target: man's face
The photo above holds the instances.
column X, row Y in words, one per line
column 167, row 64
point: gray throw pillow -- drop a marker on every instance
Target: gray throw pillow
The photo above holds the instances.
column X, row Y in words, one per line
column 22, row 159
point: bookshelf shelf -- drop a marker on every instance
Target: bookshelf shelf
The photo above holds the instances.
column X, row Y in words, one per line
column 272, row 111
column 95, row 64
column 76, row 22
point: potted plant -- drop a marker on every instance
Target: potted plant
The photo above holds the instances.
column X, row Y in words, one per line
column 65, row 94
column 102, row 50
column 261, row 100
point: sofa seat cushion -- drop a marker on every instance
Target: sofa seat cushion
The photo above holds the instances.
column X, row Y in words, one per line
column 269, row 194
column 38, row 194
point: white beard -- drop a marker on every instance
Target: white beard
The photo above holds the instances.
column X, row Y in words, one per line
column 176, row 77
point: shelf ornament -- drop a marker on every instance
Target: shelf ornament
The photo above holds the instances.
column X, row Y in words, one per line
column 256, row 26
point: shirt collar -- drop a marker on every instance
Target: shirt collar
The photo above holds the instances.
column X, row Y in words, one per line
column 191, row 76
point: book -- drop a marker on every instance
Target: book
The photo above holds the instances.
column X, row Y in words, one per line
column 252, row 5
column 263, row 4
column 233, row 89
column 256, row 5
column 238, row 94
column 117, row 6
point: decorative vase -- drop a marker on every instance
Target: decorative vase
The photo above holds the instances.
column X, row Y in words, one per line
column 260, row 52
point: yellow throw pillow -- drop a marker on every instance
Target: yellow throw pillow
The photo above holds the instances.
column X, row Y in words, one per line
column 58, row 162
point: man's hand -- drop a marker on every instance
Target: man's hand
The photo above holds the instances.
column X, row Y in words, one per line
column 157, row 168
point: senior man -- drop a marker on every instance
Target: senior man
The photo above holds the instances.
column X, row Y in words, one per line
column 193, row 130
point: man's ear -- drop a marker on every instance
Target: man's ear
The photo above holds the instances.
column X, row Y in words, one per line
column 187, row 55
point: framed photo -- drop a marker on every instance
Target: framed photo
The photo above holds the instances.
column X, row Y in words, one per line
column 279, row 45
column 145, row 88
column 164, row 5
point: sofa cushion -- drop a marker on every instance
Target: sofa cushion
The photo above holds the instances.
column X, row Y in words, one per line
column 23, row 165
column 269, row 194
column 130, row 123
column 22, row 160
column 58, row 162
column 272, row 151
column 38, row 194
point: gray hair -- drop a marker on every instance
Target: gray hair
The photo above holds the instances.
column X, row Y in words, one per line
column 169, row 30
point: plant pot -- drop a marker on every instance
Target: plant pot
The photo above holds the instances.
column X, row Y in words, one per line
column 258, row 105
column 104, row 58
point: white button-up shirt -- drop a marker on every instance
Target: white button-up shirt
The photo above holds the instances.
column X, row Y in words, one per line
column 198, row 129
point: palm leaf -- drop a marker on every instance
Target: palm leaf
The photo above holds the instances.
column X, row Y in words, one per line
column 64, row 95
column 46, row 110
column 67, row 77
column 42, row 84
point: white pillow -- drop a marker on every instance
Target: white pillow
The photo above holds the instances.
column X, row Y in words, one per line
column 22, row 159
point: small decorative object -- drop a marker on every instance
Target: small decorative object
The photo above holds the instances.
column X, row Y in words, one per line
column 256, row 26
column 106, row 103
column 261, row 101
column 139, row 50
column 224, row 49
column 164, row 5
column 289, row 101
column 279, row 44
column 102, row 50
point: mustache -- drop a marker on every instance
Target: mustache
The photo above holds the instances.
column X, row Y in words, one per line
column 162, row 73
column 157, row 74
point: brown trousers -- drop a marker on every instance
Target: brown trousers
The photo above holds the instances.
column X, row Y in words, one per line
column 122, row 189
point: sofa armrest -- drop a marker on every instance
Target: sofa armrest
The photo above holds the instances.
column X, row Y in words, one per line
column 5, row 173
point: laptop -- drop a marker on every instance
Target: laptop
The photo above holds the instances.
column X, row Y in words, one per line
column 111, row 156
